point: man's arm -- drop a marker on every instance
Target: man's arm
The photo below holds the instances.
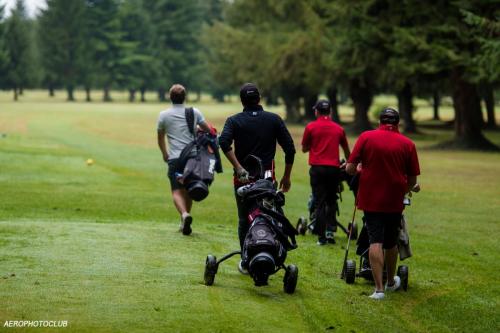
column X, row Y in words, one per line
column 232, row 158
column 306, row 140
column 162, row 145
column 225, row 142
column 286, row 142
column 204, row 126
column 241, row 173
column 412, row 181
column 350, row 168
column 285, row 182
column 345, row 148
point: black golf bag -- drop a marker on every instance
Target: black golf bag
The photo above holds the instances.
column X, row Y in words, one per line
column 270, row 235
column 197, row 165
column 331, row 210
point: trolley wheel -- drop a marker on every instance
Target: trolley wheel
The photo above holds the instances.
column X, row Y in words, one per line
column 290, row 279
column 210, row 270
column 354, row 233
column 403, row 275
column 301, row 225
column 350, row 271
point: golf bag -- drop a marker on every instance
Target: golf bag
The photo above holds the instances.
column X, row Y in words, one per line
column 330, row 210
column 270, row 235
column 198, row 161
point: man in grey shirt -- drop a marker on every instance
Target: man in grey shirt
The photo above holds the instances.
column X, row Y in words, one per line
column 172, row 124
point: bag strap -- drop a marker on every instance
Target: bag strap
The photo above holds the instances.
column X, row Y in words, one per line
column 189, row 113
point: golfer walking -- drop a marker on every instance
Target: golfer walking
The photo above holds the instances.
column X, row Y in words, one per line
column 172, row 124
column 389, row 167
column 254, row 132
column 322, row 139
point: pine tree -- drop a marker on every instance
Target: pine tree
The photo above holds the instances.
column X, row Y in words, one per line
column 137, row 65
column 17, row 40
column 105, row 35
column 61, row 41
column 4, row 55
column 178, row 25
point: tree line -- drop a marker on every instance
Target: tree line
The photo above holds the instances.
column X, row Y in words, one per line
column 136, row 45
column 293, row 49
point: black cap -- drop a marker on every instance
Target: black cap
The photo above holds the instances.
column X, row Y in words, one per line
column 249, row 93
column 389, row 116
column 323, row 106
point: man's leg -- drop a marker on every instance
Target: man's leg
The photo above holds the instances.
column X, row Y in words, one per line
column 242, row 220
column 319, row 190
column 183, row 204
column 391, row 259
column 391, row 232
column 375, row 228
column 242, row 229
column 182, row 201
column 332, row 181
column 376, row 255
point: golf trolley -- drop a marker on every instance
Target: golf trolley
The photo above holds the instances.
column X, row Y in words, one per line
column 303, row 226
column 268, row 239
column 349, row 266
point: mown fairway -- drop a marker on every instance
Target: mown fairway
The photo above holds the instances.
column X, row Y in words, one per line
column 98, row 245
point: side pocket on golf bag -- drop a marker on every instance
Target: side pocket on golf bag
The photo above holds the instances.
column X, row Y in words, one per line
column 262, row 238
column 404, row 241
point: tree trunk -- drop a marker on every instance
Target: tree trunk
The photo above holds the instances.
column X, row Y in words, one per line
column 332, row 97
column 309, row 102
column 15, row 94
column 161, row 95
column 131, row 95
column 436, row 102
column 489, row 101
column 87, row 94
column 218, row 96
column 51, row 90
column 292, row 107
column 143, row 94
column 405, row 105
column 271, row 99
column 198, row 96
column 468, row 117
column 21, row 91
column 362, row 97
column 71, row 97
column 106, row 95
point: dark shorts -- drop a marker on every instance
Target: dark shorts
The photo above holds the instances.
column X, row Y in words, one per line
column 383, row 228
column 174, row 184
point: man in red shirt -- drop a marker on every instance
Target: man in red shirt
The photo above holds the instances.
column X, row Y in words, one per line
column 388, row 166
column 322, row 139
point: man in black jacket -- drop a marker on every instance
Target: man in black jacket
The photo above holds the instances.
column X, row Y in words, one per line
column 255, row 132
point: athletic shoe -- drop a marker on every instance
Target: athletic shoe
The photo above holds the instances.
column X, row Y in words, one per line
column 377, row 295
column 395, row 286
column 186, row 228
column 321, row 242
column 242, row 270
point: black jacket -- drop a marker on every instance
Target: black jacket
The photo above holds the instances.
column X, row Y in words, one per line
column 255, row 131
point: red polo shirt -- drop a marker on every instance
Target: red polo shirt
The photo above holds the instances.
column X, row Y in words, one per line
column 387, row 159
column 323, row 137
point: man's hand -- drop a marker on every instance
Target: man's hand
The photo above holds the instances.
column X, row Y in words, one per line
column 165, row 157
column 285, row 184
column 416, row 188
column 242, row 175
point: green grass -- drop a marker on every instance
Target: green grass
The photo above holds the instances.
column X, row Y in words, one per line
column 98, row 245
